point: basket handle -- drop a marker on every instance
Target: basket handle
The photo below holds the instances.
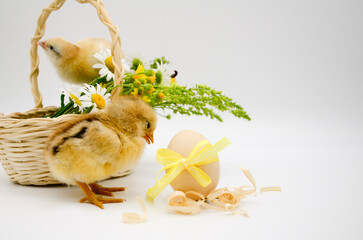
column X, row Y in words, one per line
column 39, row 33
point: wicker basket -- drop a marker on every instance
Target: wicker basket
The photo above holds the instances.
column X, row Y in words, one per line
column 23, row 135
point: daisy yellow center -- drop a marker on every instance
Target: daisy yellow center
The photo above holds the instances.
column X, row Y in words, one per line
column 99, row 100
column 75, row 99
column 109, row 64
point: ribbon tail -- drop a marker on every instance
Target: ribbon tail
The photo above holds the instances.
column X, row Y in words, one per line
column 164, row 181
column 207, row 154
column 199, row 175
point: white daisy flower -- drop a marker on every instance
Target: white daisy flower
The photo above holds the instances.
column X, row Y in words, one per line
column 126, row 66
column 72, row 93
column 130, row 57
column 95, row 96
column 166, row 73
column 106, row 66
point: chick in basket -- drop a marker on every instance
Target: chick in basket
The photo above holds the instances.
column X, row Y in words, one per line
column 74, row 62
column 95, row 146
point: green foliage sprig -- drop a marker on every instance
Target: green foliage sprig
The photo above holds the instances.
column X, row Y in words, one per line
column 199, row 100
column 160, row 90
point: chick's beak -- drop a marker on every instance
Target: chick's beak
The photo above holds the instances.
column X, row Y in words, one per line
column 42, row 44
column 149, row 137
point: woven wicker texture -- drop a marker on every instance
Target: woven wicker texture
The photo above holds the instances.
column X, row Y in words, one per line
column 23, row 135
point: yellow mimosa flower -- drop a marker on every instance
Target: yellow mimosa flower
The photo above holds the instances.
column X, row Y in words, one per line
column 135, row 92
column 151, row 90
column 146, row 99
column 161, row 95
column 138, row 73
column 140, row 69
column 152, row 79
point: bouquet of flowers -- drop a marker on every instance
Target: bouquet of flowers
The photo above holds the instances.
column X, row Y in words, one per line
column 154, row 82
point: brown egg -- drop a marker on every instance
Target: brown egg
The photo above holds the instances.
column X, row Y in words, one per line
column 183, row 143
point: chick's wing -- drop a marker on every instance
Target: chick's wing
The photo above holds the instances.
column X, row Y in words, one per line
column 86, row 151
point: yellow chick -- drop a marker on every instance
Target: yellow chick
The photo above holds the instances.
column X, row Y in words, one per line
column 74, row 62
column 95, row 146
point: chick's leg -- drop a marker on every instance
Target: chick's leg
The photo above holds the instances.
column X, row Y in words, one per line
column 91, row 197
column 107, row 191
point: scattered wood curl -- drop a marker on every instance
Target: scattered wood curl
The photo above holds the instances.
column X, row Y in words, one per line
column 225, row 199
column 180, row 203
column 269, row 189
column 133, row 218
column 222, row 199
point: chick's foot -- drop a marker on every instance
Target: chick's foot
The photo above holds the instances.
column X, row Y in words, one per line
column 92, row 198
column 98, row 200
column 107, row 191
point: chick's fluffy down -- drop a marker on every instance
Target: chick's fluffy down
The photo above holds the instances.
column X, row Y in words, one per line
column 93, row 147
column 91, row 152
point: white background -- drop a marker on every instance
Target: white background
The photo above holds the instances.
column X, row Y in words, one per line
column 295, row 66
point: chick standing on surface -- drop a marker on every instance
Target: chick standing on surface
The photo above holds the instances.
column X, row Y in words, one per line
column 95, row 146
column 74, row 62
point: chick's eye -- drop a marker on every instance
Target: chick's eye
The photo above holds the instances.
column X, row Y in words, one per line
column 148, row 125
column 51, row 47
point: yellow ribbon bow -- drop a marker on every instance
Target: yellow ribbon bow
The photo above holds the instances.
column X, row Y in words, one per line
column 203, row 153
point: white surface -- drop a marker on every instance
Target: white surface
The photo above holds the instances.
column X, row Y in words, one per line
column 296, row 67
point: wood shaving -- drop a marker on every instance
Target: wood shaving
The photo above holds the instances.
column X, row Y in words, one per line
column 225, row 199
column 268, row 189
column 222, row 199
column 133, row 218
column 196, row 195
column 179, row 203
column 251, row 179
